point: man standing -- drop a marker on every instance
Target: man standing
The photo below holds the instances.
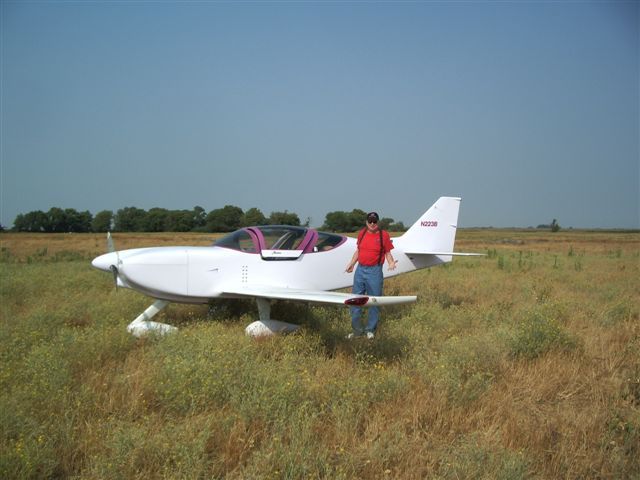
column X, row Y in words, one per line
column 374, row 246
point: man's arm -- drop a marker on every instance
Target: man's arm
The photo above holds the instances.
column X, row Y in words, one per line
column 390, row 261
column 388, row 247
column 353, row 262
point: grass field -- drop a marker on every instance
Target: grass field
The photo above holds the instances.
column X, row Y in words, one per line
column 524, row 363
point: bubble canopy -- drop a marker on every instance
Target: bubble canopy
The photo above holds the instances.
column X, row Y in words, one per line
column 280, row 237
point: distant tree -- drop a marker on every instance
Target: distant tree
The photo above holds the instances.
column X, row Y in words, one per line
column 284, row 218
column 129, row 219
column 35, row 221
column 102, row 222
column 86, row 219
column 397, row 227
column 358, row 218
column 154, row 220
column 224, row 219
column 57, row 220
column 385, row 223
column 554, row 226
column 345, row 221
column 19, row 224
column 253, row 216
column 391, row 225
column 179, row 221
column 337, row 222
column 199, row 217
column 39, row 221
column 78, row 222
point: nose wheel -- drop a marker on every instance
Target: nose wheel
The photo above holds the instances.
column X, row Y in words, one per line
column 142, row 325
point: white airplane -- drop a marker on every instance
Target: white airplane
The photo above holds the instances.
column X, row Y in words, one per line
column 273, row 263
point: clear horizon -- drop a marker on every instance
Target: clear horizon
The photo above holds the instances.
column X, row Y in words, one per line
column 528, row 111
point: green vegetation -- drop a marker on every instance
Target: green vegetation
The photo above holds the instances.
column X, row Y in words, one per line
column 516, row 365
column 554, row 226
column 133, row 219
column 353, row 221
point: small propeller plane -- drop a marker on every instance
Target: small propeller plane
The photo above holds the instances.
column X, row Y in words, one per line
column 273, row 262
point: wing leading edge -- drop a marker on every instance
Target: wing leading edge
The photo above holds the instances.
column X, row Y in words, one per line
column 319, row 296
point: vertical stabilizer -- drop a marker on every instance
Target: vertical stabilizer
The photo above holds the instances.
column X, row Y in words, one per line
column 435, row 231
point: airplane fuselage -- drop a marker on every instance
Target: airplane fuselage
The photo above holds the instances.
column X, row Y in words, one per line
column 199, row 274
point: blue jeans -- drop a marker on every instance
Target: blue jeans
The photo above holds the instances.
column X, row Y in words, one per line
column 366, row 281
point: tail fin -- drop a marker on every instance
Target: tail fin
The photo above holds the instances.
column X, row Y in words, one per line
column 435, row 231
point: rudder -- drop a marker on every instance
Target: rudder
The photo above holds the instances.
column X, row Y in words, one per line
column 434, row 231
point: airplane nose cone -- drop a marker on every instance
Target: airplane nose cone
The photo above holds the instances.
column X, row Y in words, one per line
column 103, row 262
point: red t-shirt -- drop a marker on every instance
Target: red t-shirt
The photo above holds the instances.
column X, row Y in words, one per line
column 369, row 247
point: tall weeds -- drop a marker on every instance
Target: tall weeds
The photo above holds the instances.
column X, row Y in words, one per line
column 515, row 365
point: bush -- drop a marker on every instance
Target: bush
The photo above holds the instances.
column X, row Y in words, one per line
column 537, row 334
column 466, row 367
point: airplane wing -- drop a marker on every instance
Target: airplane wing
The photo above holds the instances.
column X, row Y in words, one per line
column 458, row 254
column 319, row 296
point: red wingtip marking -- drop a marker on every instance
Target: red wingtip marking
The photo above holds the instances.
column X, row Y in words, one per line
column 359, row 301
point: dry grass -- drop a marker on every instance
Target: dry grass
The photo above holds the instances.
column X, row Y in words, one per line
column 521, row 364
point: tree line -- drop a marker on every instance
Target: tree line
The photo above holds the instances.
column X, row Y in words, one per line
column 225, row 219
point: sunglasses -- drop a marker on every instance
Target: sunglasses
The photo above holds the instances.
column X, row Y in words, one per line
column 373, row 220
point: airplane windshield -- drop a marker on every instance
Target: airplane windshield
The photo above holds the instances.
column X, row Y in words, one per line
column 280, row 237
column 240, row 240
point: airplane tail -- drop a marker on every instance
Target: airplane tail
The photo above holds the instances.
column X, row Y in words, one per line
column 434, row 233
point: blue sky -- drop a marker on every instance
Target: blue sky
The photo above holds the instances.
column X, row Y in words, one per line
column 527, row 110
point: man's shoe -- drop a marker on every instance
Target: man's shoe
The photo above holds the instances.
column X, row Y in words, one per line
column 370, row 335
column 353, row 335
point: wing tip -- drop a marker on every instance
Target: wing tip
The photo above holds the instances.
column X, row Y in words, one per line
column 357, row 301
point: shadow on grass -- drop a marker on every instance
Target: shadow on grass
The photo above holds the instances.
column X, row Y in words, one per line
column 333, row 324
column 330, row 323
